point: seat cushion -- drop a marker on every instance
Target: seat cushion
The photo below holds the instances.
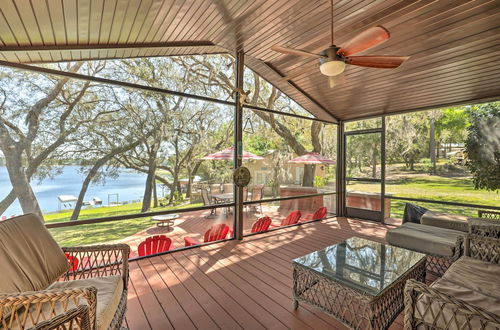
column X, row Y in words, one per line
column 445, row 220
column 426, row 239
column 430, row 310
column 476, row 275
column 109, row 291
column 30, row 258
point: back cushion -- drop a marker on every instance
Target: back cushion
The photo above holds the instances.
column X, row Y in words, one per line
column 30, row 259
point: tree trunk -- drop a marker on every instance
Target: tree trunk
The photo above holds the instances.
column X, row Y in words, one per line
column 155, row 195
column 374, row 162
column 20, row 182
column 150, row 180
column 85, row 186
column 432, row 144
column 308, row 178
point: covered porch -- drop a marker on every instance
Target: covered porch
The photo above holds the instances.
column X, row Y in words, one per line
column 235, row 284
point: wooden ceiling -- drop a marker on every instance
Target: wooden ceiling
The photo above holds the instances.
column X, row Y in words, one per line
column 454, row 44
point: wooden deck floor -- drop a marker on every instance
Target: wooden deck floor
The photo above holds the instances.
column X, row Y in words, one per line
column 234, row 285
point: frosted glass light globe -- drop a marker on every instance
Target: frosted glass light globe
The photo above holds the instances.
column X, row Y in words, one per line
column 332, row 68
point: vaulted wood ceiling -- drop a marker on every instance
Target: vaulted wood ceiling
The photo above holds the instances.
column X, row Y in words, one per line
column 454, row 44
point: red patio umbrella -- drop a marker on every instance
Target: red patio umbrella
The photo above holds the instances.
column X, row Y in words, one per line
column 228, row 154
column 312, row 158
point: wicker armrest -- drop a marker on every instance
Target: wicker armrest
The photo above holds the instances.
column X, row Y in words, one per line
column 414, row 288
column 75, row 318
column 483, row 248
column 34, row 307
column 97, row 260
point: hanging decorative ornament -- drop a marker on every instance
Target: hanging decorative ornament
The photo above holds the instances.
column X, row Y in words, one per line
column 248, row 127
column 241, row 176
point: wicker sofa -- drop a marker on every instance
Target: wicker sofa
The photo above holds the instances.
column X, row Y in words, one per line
column 466, row 297
column 45, row 287
column 438, row 238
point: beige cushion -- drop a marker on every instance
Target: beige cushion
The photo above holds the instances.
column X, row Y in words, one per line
column 445, row 220
column 30, row 258
column 476, row 275
column 109, row 291
column 422, row 238
column 472, row 281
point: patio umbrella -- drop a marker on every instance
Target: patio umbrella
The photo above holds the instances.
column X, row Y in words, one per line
column 312, row 158
column 228, row 154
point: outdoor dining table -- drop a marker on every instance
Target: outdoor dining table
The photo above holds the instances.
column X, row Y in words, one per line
column 223, row 198
column 165, row 219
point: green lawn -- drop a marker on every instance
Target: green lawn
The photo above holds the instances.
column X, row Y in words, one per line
column 104, row 231
column 433, row 187
column 423, row 186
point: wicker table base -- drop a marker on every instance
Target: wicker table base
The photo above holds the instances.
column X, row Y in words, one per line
column 351, row 307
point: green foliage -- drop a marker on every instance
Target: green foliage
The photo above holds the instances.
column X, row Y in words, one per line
column 483, row 145
column 320, row 182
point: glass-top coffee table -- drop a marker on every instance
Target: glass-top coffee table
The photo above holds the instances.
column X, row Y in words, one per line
column 359, row 282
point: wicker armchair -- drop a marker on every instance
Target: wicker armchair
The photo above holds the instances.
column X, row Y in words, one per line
column 428, row 307
column 40, row 289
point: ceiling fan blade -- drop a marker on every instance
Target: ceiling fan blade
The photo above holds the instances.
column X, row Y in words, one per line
column 382, row 62
column 291, row 51
column 336, row 80
column 365, row 40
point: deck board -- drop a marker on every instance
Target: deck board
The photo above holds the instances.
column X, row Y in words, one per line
column 235, row 285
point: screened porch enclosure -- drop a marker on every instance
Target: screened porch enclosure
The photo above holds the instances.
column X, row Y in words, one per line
column 209, row 144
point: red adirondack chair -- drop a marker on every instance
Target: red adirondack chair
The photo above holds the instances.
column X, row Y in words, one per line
column 73, row 262
column 215, row 233
column 261, row 225
column 154, row 244
column 319, row 214
column 291, row 219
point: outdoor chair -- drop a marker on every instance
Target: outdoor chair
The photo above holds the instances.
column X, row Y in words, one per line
column 215, row 189
column 261, row 225
column 257, row 195
column 466, row 297
column 291, row 219
column 228, row 188
column 207, row 201
column 154, row 244
column 44, row 287
column 216, row 233
column 318, row 215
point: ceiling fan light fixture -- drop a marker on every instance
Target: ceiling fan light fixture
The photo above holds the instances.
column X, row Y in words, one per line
column 332, row 68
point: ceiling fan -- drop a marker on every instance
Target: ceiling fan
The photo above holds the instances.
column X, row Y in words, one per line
column 334, row 59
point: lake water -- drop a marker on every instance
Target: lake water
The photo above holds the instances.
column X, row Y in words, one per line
column 128, row 185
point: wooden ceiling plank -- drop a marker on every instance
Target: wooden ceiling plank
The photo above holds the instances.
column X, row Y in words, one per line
column 144, row 24
column 119, row 18
column 207, row 21
column 27, row 16
column 190, row 21
column 107, row 19
column 57, row 21
column 70, row 10
column 432, row 93
column 7, row 37
column 96, row 13
column 215, row 24
column 173, row 22
column 166, row 13
column 407, row 89
column 129, row 20
column 84, row 9
column 15, row 23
